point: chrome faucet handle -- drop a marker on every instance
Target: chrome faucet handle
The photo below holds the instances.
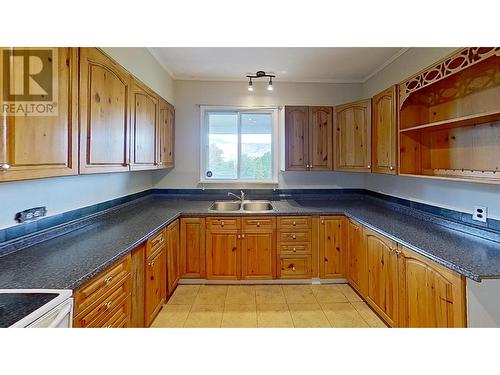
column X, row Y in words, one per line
column 242, row 195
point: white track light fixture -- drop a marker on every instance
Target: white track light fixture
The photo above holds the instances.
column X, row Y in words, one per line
column 260, row 74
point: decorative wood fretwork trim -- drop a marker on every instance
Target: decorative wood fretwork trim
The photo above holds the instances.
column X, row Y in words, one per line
column 452, row 64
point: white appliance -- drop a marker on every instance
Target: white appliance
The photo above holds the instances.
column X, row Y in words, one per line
column 56, row 313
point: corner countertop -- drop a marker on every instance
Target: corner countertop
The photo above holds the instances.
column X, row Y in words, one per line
column 67, row 261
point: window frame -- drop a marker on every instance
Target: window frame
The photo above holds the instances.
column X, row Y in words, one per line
column 204, row 143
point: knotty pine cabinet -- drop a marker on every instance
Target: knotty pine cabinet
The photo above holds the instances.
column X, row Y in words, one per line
column 357, row 272
column 431, row 296
column 385, row 131
column 332, row 254
column 104, row 105
column 223, row 254
column 352, row 123
column 258, row 248
column 44, row 146
column 382, row 266
column 144, row 140
column 166, row 134
column 308, row 138
column 155, row 284
column 173, row 259
column 192, row 253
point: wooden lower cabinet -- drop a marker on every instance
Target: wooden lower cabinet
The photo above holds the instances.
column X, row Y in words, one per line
column 99, row 300
column 138, row 278
column 258, row 248
column 332, row 256
column 357, row 272
column 192, row 254
column 382, row 266
column 173, row 251
column 154, row 285
column 223, row 254
column 431, row 295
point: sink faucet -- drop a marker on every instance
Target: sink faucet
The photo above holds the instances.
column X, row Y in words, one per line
column 242, row 197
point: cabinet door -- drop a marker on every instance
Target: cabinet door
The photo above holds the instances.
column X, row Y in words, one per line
column 331, row 247
column 154, row 285
column 297, row 138
column 166, row 135
column 223, row 255
column 431, row 296
column 173, row 249
column 192, row 257
column 384, row 132
column 258, row 258
column 144, row 119
column 320, row 138
column 43, row 146
column 353, row 136
column 382, row 263
column 356, row 257
column 104, row 113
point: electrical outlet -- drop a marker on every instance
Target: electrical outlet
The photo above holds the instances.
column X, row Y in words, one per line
column 480, row 213
column 31, row 214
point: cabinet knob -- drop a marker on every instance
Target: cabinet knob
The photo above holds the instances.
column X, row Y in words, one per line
column 322, row 222
column 238, row 236
column 242, row 236
column 294, row 223
column 391, row 168
column 368, row 166
column 108, row 279
column 152, row 263
column 258, row 224
column 221, row 223
column 294, row 250
column 108, row 304
column 4, row 167
column 294, row 236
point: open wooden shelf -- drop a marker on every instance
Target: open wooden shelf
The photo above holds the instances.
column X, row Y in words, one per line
column 450, row 128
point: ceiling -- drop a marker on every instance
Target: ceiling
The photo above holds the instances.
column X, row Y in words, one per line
column 304, row 64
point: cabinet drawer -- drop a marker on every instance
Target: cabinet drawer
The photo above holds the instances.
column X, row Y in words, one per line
column 223, row 223
column 295, row 267
column 118, row 318
column 295, row 236
column 156, row 242
column 292, row 222
column 104, row 306
column 257, row 223
column 292, row 249
column 93, row 290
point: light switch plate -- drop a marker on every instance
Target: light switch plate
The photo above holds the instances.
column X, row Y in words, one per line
column 480, row 213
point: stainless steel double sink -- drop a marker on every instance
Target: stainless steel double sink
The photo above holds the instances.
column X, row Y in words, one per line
column 247, row 206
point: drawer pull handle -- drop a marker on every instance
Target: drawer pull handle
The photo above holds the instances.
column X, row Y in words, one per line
column 108, row 304
column 291, row 267
column 108, row 279
column 157, row 240
column 109, row 326
column 152, row 263
column 4, row 167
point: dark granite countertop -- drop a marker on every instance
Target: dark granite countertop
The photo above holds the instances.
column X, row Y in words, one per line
column 67, row 261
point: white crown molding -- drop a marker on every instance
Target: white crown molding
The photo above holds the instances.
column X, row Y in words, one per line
column 389, row 61
column 243, row 79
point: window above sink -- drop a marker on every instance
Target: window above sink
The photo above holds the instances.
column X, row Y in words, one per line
column 239, row 145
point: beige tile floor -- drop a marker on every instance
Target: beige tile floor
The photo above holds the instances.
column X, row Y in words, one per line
column 271, row 306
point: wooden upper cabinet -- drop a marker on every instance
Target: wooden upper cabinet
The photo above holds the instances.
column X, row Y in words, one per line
column 192, row 256
column 384, row 131
column 320, row 138
column 166, row 135
column 332, row 257
column 357, row 271
column 44, row 146
column 353, row 136
column 104, row 113
column 144, row 128
column 382, row 265
column 431, row 295
column 296, row 138
column 308, row 133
